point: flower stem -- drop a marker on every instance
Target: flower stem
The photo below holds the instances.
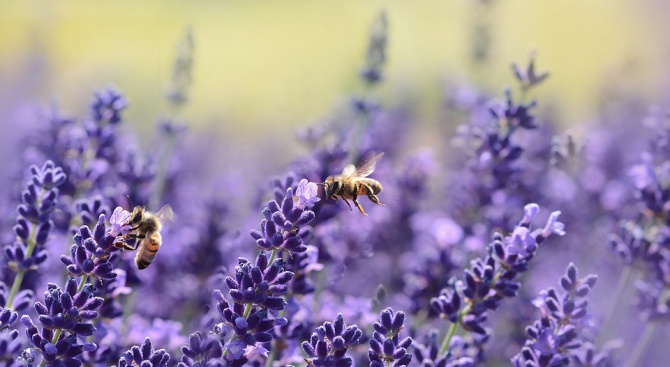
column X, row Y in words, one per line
column 641, row 345
column 447, row 338
column 608, row 323
column 273, row 255
column 84, row 278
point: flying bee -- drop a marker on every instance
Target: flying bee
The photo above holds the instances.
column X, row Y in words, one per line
column 146, row 230
column 353, row 182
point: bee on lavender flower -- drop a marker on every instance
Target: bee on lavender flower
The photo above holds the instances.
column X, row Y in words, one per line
column 145, row 228
column 353, row 182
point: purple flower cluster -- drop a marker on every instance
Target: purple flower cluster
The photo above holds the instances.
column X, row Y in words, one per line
column 563, row 329
column 34, row 223
column 280, row 230
column 489, row 280
column 330, row 342
column 385, row 345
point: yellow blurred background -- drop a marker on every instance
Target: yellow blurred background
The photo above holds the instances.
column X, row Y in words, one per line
column 263, row 65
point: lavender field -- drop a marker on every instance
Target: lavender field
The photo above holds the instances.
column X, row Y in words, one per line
column 507, row 234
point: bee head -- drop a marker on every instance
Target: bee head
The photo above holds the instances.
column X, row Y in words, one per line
column 331, row 186
column 136, row 216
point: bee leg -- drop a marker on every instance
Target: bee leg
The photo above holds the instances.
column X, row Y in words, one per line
column 359, row 206
column 375, row 199
column 125, row 246
column 345, row 200
column 372, row 196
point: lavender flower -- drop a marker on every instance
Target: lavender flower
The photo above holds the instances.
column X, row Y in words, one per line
column 69, row 309
column 385, row 345
column 330, row 342
column 488, row 281
column 33, row 223
column 563, row 327
column 256, row 292
column 107, row 106
column 262, row 284
column 202, row 350
column 281, row 227
column 64, row 315
column 144, row 355
column 91, row 251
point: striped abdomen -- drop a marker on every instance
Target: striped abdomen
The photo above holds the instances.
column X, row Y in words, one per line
column 148, row 249
column 369, row 186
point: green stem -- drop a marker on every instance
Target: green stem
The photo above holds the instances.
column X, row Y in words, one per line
column 31, row 242
column 84, row 278
column 642, row 345
column 608, row 323
column 273, row 255
column 447, row 338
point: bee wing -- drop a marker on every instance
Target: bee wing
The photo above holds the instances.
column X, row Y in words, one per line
column 368, row 165
column 165, row 214
column 349, row 170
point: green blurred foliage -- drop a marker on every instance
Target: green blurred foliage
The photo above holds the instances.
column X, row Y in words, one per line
column 262, row 65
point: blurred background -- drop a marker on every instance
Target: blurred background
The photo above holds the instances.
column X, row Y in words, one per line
column 262, row 65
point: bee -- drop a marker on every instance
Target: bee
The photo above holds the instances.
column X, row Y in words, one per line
column 146, row 230
column 353, row 182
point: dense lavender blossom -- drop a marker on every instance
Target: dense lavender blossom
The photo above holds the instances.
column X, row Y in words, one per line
column 256, row 292
column 563, row 327
column 91, row 252
column 385, row 345
column 33, row 225
column 144, row 355
column 466, row 303
column 65, row 314
column 330, row 342
column 282, row 224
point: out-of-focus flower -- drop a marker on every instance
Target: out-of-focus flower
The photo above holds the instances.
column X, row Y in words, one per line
column 89, row 210
column 528, row 78
column 107, row 106
column 375, row 57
